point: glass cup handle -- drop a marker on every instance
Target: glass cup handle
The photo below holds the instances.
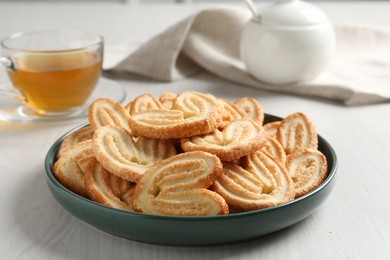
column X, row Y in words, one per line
column 6, row 89
column 7, row 62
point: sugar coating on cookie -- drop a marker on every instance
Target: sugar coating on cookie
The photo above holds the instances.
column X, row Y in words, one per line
column 70, row 168
column 229, row 112
column 107, row 188
column 127, row 156
column 271, row 128
column 297, row 131
column 144, row 103
column 260, row 182
column 106, row 111
column 179, row 186
column 308, row 169
column 192, row 113
column 273, row 148
column 77, row 136
column 238, row 138
column 252, row 108
column 167, row 99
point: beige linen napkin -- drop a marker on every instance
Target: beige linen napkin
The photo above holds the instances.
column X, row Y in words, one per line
column 358, row 74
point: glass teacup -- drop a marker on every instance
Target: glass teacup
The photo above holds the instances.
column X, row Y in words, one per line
column 53, row 72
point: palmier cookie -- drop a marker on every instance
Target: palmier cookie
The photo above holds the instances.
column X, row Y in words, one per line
column 178, row 186
column 274, row 148
column 229, row 112
column 167, row 99
column 192, row 113
column 106, row 188
column 261, row 182
column 271, row 128
column 238, row 138
column 143, row 103
column 252, row 108
column 70, row 168
column 297, row 131
column 126, row 156
column 106, row 111
column 308, row 169
column 78, row 136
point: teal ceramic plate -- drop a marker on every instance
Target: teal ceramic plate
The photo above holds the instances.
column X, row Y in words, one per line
column 191, row 231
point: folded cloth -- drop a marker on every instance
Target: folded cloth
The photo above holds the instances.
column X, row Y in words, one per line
column 358, row 74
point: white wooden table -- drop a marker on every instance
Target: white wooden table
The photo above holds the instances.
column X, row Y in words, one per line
column 354, row 223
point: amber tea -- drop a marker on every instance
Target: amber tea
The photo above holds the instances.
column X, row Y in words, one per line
column 56, row 82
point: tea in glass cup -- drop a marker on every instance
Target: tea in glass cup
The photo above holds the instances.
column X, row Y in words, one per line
column 53, row 71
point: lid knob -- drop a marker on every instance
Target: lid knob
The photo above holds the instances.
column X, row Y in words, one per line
column 288, row 13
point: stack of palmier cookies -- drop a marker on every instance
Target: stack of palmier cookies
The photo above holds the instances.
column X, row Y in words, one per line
column 190, row 154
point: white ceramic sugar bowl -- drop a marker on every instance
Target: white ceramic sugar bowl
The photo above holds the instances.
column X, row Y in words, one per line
column 288, row 42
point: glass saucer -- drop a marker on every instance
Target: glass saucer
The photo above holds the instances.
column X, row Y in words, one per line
column 12, row 110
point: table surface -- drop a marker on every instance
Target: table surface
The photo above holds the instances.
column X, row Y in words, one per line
column 354, row 223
